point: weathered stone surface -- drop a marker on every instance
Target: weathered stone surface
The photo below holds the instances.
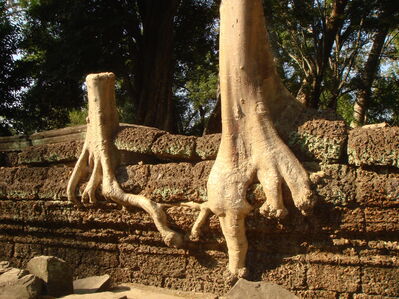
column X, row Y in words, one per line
column 316, row 294
column 377, row 189
column 54, row 186
column 320, row 140
column 333, row 278
column 137, row 139
column 59, row 135
column 337, row 186
column 91, row 284
column 8, row 159
column 332, row 219
column 380, row 281
column 26, row 182
column 26, row 286
column 378, row 146
column 258, row 290
column 163, row 185
column 289, row 275
column 14, row 143
column 6, row 248
column 354, row 226
column 49, row 153
column 56, row 273
column 381, row 220
column 365, row 296
column 170, row 146
column 207, row 146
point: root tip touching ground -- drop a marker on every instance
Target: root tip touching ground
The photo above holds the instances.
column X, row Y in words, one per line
column 270, row 212
column 307, row 204
column 231, row 278
column 174, row 240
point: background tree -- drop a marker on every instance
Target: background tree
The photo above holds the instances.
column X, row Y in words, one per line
column 9, row 82
column 386, row 19
column 164, row 55
column 137, row 40
column 321, row 46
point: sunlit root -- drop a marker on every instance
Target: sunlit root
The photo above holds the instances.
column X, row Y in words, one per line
column 203, row 216
column 250, row 146
column 100, row 155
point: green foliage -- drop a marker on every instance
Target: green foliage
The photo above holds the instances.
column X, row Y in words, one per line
column 62, row 41
column 77, row 117
column 384, row 106
column 59, row 42
column 200, row 95
column 345, row 108
column 9, row 79
column 196, row 74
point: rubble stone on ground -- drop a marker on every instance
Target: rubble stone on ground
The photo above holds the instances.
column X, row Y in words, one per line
column 55, row 272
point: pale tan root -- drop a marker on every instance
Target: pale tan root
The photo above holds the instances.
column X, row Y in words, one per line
column 250, row 146
column 203, row 216
column 100, row 154
column 80, row 171
column 233, row 227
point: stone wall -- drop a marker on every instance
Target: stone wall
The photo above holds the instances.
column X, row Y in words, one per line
column 347, row 249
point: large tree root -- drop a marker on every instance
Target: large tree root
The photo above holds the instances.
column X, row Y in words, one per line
column 100, row 155
column 250, row 147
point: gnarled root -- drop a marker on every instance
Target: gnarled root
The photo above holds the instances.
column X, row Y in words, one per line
column 99, row 154
column 250, row 146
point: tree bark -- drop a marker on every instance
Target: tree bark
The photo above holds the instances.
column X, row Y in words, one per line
column 367, row 78
column 252, row 95
column 153, row 82
column 100, row 155
column 214, row 124
column 310, row 95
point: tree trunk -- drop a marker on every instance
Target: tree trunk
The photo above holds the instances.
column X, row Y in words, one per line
column 100, row 154
column 367, row 78
column 214, row 124
column 252, row 95
column 310, row 94
column 153, row 82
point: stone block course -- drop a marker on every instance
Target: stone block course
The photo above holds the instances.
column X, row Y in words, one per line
column 63, row 152
column 377, row 189
column 320, row 140
column 137, row 139
column 338, row 186
column 207, row 146
column 174, row 147
column 290, row 275
column 379, row 147
column 347, row 248
column 380, row 281
column 381, row 220
column 333, row 277
column 316, row 294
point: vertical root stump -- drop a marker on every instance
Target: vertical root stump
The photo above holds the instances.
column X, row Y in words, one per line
column 99, row 155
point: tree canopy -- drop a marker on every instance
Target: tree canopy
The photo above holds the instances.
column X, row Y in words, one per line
column 332, row 54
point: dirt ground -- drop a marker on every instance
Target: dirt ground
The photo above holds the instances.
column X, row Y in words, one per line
column 138, row 291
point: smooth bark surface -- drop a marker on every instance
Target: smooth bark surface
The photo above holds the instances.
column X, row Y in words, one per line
column 153, row 94
column 250, row 149
column 367, row 78
column 99, row 155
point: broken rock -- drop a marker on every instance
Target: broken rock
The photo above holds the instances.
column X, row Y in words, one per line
column 18, row 284
column 55, row 272
column 258, row 290
column 4, row 267
column 91, row 284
